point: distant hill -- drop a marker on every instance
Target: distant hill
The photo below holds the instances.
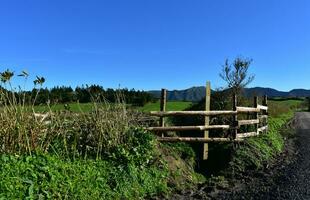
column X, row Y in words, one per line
column 191, row 94
column 197, row 93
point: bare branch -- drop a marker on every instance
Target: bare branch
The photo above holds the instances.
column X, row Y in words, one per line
column 236, row 74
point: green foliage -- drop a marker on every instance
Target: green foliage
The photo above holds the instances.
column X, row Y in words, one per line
column 101, row 154
column 43, row 176
column 236, row 74
column 256, row 151
column 138, row 148
column 181, row 163
column 182, row 150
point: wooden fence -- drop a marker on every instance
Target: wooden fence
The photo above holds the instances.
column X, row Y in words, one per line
column 260, row 113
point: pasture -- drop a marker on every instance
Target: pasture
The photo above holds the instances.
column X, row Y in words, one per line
column 284, row 106
column 171, row 106
column 276, row 106
column 87, row 107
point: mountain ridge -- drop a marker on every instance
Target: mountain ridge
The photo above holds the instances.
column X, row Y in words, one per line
column 197, row 93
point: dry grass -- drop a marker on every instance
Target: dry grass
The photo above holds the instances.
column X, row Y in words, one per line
column 84, row 134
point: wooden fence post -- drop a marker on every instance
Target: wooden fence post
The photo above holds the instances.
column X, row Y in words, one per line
column 256, row 114
column 163, row 101
column 265, row 103
column 235, row 117
column 207, row 120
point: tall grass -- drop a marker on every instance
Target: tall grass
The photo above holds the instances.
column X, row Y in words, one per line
column 92, row 134
column 102, row 154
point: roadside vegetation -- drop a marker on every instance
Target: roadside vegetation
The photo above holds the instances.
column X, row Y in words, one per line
column 233, row 160
column 96, row 148
column 102, row 154
column 255, row 153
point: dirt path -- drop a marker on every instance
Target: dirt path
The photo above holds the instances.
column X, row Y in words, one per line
column 290, row 178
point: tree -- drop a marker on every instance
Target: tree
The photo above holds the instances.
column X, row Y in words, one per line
column 236, row 74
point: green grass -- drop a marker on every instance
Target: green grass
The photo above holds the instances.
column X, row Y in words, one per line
column 87, row 107
column 171, row 106
column 277, row 108
column 289, row 103
column 132, row 170
column 44, row 176
column 256, row 151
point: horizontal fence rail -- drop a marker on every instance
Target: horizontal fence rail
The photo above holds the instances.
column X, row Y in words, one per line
column 245, row 135
column 190, row 113
column 247, row 110
column 258, row 113
column 203, row 140
column 262, row 129
column 248, row 122
column 188, row 128
column 262, row 107
column 240, row 110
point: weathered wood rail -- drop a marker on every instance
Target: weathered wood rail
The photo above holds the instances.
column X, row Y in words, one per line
column 260, row 121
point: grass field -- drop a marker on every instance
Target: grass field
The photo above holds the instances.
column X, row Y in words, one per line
column 87, row 107
column 287, row 102
column 171, row 106
column 275, row 106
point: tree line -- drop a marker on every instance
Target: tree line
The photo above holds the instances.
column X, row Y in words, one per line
column 84, row 94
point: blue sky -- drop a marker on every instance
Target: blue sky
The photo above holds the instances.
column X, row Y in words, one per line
column 150, row 44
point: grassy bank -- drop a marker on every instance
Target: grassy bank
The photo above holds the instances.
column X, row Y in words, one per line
column 102, row 154
column 138, row 168
column 134, row 169
column 255, row 152
column 45, row 176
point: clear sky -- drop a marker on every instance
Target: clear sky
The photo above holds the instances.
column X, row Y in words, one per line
column 150, row 44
